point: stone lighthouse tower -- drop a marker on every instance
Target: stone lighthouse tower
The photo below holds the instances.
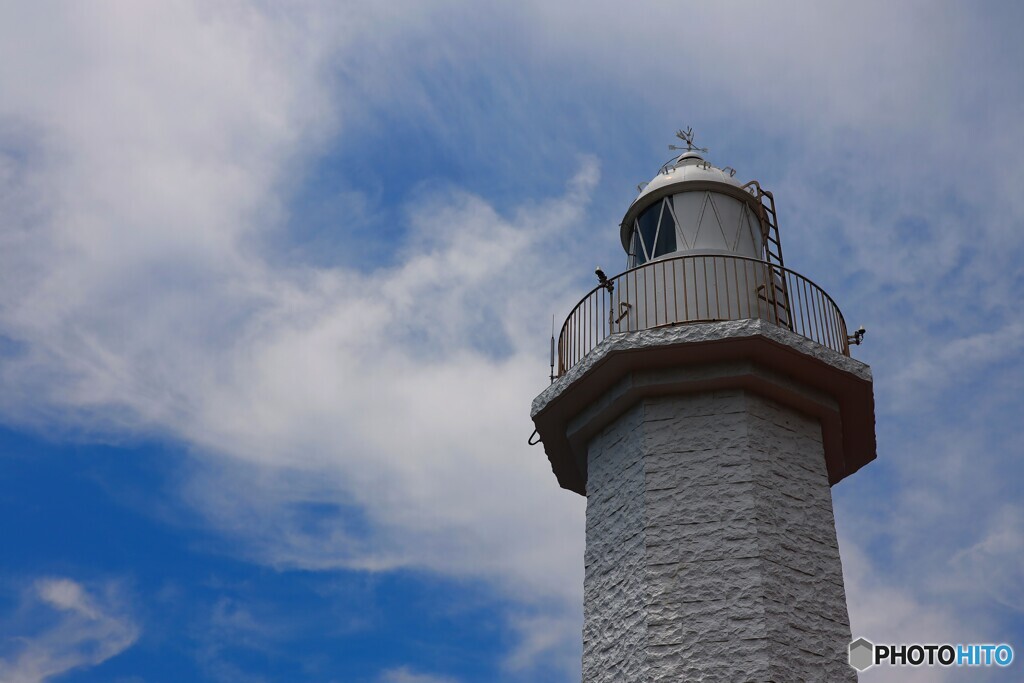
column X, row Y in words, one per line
column 704, row 402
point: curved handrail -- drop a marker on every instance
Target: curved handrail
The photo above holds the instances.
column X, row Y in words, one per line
column 700, row 288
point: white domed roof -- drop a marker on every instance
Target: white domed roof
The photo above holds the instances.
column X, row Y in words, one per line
column 688, row 167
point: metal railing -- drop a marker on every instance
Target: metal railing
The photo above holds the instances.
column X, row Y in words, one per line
column 700, row 288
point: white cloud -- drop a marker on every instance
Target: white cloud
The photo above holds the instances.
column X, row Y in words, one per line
column 950, row 363
column 944, row 549
column 993, row 564
column 553, row 638
column 883, row 610
column 888, row 607
column 158, row 164
column 62, row 626
column 404, row 674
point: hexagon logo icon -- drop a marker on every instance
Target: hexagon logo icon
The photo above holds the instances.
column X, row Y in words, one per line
column 862, row 654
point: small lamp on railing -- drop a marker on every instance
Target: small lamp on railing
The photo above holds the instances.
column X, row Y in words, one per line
column 603, row 280
column 857, row 337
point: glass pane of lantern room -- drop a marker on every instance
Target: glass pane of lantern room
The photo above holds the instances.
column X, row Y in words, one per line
column 666, row 242
column 648, row 223
column 636, row 252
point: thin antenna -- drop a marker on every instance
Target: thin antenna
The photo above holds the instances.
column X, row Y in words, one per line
column 552, row 348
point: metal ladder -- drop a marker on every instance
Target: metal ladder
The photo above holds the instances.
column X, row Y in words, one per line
column 778, row 297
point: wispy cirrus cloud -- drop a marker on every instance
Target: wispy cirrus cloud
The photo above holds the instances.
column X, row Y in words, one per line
column 404, row 674
column 61, row 625
column 992, row 565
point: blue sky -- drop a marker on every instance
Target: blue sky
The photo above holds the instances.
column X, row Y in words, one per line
column 276, row 282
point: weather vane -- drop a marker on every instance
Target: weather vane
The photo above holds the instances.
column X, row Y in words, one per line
column 687, row 137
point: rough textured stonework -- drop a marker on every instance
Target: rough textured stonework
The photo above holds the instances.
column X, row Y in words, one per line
column 614, row 630
column 711, row 546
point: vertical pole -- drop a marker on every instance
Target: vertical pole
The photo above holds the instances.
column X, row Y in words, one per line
column 552, row 348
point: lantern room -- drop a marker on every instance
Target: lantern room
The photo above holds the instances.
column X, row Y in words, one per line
column 693, row 207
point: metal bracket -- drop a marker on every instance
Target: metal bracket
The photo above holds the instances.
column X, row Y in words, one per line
column 624, row 307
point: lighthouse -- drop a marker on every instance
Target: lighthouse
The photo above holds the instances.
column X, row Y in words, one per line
column 705, row 402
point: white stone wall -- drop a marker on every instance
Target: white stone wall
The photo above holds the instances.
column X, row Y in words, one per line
column 711, row 547
column 615, row 620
